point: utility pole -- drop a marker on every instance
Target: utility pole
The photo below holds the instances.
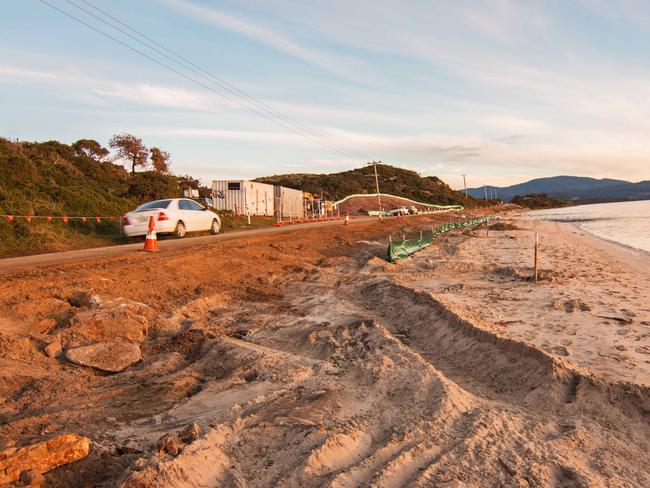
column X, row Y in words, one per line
column 374, row 163
column 485, row 188
column 465, row 185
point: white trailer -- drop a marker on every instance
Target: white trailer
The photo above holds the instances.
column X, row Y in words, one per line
column 243, row 197
column 289, row 203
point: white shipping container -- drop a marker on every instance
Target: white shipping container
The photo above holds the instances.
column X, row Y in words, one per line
column 289, row 202
column 243, row 197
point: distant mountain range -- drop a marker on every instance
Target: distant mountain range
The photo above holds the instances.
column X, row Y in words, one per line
column 573, row 188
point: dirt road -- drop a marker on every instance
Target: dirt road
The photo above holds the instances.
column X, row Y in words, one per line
column 304, row 359
column 26, row 262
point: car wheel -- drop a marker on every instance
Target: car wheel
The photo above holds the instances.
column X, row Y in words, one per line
column 215, row 227
column 179, row 231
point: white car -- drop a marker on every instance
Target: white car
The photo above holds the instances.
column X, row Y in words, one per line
column 171, row 216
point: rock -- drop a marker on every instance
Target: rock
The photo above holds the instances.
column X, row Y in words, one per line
column 32, row 478
column 190, row 433
column 43, row 456
column 129, row 447
column 134, row 481
column 84, row 299
column 112, row 357
column 53, row 349
column 169, row 444
column 6, row 442
column 117, row 320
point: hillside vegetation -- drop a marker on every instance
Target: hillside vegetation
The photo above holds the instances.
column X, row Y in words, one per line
column 540, row 200
column 395, row 181
column 51, row 178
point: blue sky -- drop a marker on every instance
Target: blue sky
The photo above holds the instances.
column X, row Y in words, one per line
column 502, row 90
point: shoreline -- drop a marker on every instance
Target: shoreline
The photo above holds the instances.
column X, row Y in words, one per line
column 588, row 233
column 531, row 214
column 589, row 307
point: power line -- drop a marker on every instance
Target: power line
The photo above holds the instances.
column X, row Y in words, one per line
column 214, row 78
column 320, row 141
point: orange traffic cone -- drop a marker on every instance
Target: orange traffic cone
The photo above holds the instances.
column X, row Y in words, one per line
column 151, row 241
column 347, row 219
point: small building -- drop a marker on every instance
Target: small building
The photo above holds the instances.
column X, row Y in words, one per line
column 289, row 203
column 243, row 197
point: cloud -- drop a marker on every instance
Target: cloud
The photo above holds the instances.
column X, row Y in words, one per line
column 496, row 88
column 268, row 137
column 631, row 12
column 344, row 66
column 160, row 96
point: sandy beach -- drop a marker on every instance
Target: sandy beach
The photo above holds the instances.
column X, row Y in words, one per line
column 591, row 306
column 323, row 365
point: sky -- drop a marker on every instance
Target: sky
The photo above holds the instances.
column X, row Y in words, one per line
column 500, row 90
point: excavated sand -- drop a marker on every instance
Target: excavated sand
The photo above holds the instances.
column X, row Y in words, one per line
column 319, row 364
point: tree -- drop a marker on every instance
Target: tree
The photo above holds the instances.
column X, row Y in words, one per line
column 160, row 160
column 90, row 148
column 130, row 148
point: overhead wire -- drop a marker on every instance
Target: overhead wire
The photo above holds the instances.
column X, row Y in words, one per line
column 218, row 80
column 284, row 120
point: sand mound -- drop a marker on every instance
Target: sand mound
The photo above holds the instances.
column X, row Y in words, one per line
column 504, row 226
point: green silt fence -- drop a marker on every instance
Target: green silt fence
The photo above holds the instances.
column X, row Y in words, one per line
column 403, row 249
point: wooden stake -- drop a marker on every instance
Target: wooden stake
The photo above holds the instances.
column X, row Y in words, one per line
column 487, row 227
column 536, row 254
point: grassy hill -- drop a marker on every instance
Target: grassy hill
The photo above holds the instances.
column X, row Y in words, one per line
column 396, row 181
column 51, row 178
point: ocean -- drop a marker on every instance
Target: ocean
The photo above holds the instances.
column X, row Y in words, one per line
column 627, row 223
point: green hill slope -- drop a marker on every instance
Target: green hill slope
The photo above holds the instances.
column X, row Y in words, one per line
column 50, row 178
column 396, row 181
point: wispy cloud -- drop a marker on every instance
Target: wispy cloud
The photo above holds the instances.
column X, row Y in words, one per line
column 494, row 88
column 341, row 65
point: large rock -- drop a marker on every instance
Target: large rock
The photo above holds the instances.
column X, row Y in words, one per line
column 43, row 457
column 112, row 357
column 114, row 320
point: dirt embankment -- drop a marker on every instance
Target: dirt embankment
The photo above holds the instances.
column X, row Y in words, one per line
column 300, row 360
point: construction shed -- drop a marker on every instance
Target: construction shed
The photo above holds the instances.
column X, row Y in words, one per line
column 289, row 203
column 243, row 197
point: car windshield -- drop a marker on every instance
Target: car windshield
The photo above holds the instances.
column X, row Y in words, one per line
column 152, row 205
